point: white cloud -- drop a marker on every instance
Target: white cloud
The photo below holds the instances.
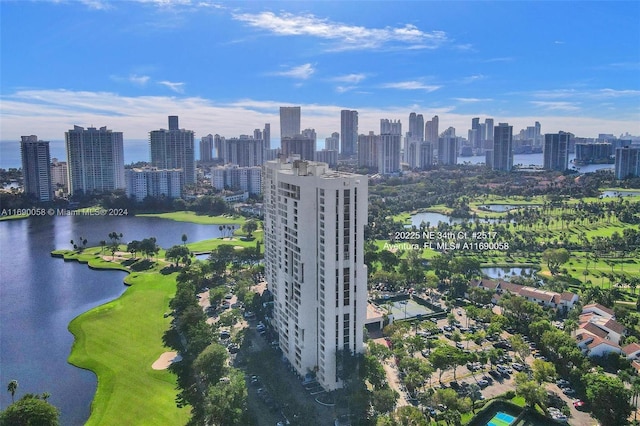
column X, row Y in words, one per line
column 346, row 37
column 556, row 106
column 177, row 87
column 301, row 72
column 49, row 113
column 350, row 78
column 139, row 80
column 96, row 4
column 611, row 93
column 472, row 78
column 472, row 100
column 411, row 85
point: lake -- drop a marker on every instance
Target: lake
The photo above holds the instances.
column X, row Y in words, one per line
column 40, row 295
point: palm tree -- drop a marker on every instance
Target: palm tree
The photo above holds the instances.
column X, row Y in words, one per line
column 12, row 388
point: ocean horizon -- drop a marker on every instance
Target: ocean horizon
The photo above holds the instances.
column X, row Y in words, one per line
column 134, row 150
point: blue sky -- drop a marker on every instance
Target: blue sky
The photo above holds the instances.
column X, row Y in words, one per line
column 226, row 67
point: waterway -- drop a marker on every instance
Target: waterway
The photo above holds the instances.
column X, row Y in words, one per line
column 538, row 160
column 40, row 295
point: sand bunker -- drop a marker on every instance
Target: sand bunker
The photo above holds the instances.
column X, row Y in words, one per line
column 165, row 360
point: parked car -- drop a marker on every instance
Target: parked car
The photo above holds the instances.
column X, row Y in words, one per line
column 562, row 383
column 483, row 383
column 518, row 367
column 568, row 391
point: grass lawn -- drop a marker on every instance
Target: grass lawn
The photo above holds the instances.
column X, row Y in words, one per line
column 214, row 243
column 119, row 341
column 186, row 216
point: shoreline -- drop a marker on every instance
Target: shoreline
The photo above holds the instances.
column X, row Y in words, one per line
column 119, row 350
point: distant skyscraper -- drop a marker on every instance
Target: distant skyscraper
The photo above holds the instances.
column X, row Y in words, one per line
column 627, row 162
column 314, row 264
column 173, row 122
column 59, row 175
column 475, row 135
column 218, row 144
column 426, row 155
column 368, row 150
column 206, row 148
column 556, row 151
column 503, row 147
column 266, row 136
column 95, row 160
column 244, row 151
column 289, row 122
column 174, row 149
column 305, row 147
column 448, row 148
column 349, row 131
column 389, row 146
column 333, row 143
column 36, row 168
column 488, row 137
column 431, row 130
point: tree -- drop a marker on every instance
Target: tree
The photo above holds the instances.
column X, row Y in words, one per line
column 609, row 398
column 528, row 389
column 409, row 416
column 184, row 239
column 249, row 227
column 12, row 388
column 543, row 371
column 211, row 363
column 384, row 400
column 30, row 410
column 226, row 402
column 554, row 258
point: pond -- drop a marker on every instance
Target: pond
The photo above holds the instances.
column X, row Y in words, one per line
column 615, row 194
column 501, row 208
column 507, row 272
column 433, row 218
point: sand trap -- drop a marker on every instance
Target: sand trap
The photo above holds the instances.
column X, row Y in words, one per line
column 165, row 360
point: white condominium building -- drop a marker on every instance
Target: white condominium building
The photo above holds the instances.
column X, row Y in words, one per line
column 314, row 244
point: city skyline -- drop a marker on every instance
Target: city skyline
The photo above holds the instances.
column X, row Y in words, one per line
column 385, row 60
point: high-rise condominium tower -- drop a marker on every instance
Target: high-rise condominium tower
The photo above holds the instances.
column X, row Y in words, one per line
column 36, row 168
column 389, row 146
column 174, row 149
column 289, row 122
column 447, row 147
column 556, row 151
column 627, row 162
column 349, row 131
column 95, row 160
column 206, row 148
column 314, row 263
column 503, row 147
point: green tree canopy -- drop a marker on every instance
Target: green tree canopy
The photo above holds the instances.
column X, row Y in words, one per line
column 30, row 410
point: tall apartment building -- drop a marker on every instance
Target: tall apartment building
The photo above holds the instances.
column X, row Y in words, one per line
column 349, row 132
column 244, row 151
column 289, row 122
column 627, row 162
column 368, row 150
column 233, row 177
column 426, row 155
column 206, row 148
column 266, row 135
column 328, row 156
column 332, row 143
column 502, row 155
column 488, row 136
column 389, row 146
column 174, row 149
column 95, row 160
column 448, row 147
column 59, row 175
column 556, row 151
column 300, row 145
column 314, row 263
column 475, row 135
column 431, row 131
column 153, row 182
column 36, row 168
